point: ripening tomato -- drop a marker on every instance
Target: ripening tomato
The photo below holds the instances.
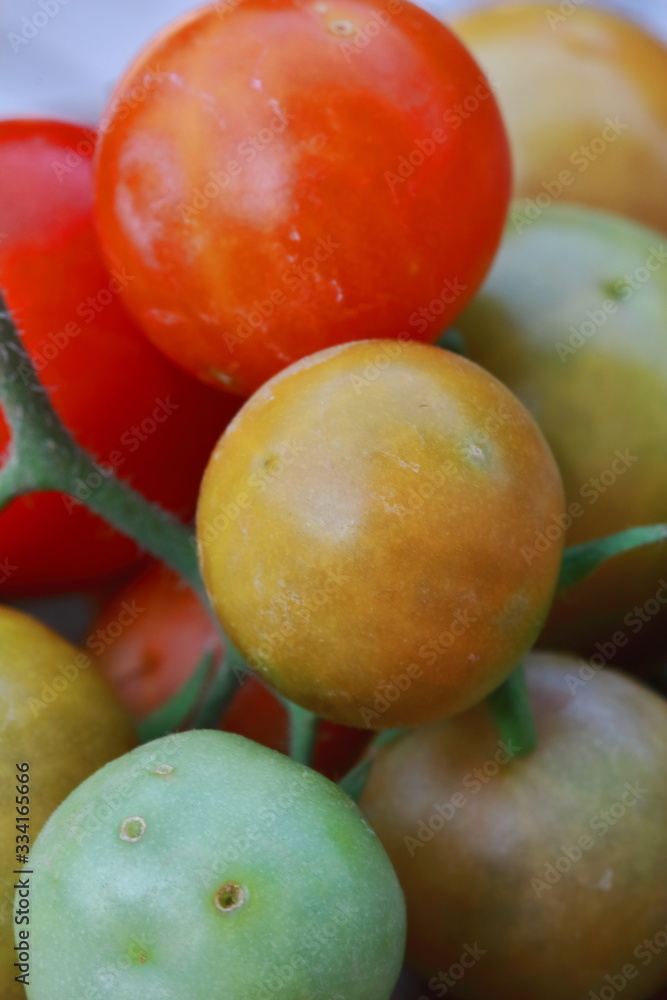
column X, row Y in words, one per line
column 149, row 638
column 281, row 176
column 573, row 319
column 59, row 722
column 363, row 527
column 136, row 412
column 584, row 95
column 541, row 877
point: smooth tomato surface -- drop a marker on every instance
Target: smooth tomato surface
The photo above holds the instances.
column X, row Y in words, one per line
column 153, row 633
column 135, row 411
column 362, row 527
column 282, row 176
column 584, row 96
column 61, row 720
column 573, row 318
column 539, row 877
column 207, row 867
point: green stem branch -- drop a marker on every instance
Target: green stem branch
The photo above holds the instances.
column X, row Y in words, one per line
column 510, row 707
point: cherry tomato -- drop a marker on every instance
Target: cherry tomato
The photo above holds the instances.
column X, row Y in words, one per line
column 542, row 876
column 584, row 95
column 363, row 527
column 59, row 722
column 573, row 319
column 152, row 634
column 121, row 399
column 217, row 870
column 282, row 176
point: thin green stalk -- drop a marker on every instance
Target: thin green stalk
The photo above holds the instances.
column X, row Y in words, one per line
column 44, row 456
column 510, row 707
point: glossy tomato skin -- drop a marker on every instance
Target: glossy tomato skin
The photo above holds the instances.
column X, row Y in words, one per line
column 61, row 720
column 584, row 97
column 136, row 412
column 362, row 527
column 295, row 179
column 546, row 873
column 572, row 319
column 147, row 641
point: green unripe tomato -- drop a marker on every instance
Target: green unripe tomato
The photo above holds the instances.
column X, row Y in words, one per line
column 205, row 866
column 573, row 319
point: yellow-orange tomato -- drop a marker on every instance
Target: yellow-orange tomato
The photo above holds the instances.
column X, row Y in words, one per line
column 584, row 97
column 539, row 878
column 58, row 717
column 363, row 527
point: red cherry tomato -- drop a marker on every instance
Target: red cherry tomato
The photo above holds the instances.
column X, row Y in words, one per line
column 298, row 175
column 120, row 397
column 149, row 638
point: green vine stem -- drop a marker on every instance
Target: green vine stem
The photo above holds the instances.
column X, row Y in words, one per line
column 510, row 707
column 354, row 781
column 43, row 455
column 303, row 729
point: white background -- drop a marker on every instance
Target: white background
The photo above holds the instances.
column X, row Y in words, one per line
column 68, row 69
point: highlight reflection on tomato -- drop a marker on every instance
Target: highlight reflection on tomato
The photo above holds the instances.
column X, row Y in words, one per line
column 285, row 187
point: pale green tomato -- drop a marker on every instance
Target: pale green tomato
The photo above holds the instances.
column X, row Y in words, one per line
column 204, row 866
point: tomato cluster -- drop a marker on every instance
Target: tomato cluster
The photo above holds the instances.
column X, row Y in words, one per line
column 229, row 334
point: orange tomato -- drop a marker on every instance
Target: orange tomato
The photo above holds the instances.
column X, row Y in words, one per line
column 584, row 98
column 365, row 526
